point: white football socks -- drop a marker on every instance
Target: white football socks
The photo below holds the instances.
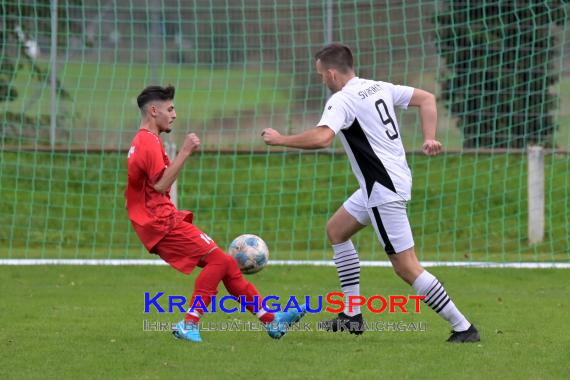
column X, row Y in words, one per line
column 436, row 297
column 348, row 268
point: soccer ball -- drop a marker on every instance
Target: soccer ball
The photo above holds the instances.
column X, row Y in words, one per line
column 250, row 252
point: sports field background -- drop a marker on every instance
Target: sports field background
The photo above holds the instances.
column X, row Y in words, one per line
column 470, row 208
column 239, row 67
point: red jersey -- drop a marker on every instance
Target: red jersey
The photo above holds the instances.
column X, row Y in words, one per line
column 152, row 214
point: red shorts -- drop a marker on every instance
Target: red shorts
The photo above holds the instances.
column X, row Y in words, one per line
column 184, row 246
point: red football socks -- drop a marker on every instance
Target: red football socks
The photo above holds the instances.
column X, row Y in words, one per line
column 217, row 267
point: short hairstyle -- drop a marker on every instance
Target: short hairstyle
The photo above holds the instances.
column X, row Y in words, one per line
column 152, row 93
column 336, row 55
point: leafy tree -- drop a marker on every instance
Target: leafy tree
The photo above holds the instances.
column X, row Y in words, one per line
column 18, row 20
column 499, row 57
column 24, row 24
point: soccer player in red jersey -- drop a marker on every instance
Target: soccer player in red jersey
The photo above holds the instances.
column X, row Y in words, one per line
column 168, row 232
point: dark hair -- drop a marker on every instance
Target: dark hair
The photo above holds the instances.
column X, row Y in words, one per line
column 155, row 93
column 336, row 55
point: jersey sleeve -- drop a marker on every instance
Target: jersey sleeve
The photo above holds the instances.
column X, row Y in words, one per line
column 336, row 114
column 402, row 95
column 155, row 163
column 148, row 158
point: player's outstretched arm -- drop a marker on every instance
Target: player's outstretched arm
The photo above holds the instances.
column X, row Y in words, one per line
column 428, row 118
column 191, row 144
column 316, row 138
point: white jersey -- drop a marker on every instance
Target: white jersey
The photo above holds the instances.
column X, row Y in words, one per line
column 363, row 112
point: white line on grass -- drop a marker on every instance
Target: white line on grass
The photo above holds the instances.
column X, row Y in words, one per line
column 327, row 263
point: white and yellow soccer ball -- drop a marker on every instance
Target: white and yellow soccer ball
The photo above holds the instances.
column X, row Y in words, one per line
column 250, row 252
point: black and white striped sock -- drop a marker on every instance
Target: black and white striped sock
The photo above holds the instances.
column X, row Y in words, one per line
column 436, row 297
column 348, row 268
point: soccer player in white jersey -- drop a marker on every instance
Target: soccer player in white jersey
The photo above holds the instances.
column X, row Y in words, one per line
column 362, row 113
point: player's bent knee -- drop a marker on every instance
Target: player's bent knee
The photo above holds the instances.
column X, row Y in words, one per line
column 335, row 235
column 405, row 274
column 330, row 234
column 406, row 265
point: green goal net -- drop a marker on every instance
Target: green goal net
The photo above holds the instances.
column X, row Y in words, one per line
column 70, row 71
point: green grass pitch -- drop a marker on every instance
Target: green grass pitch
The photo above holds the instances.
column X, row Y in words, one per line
column 87, row 322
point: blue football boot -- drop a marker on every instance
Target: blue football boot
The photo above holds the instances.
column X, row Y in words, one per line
column 280, row 324
column 187, row 330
